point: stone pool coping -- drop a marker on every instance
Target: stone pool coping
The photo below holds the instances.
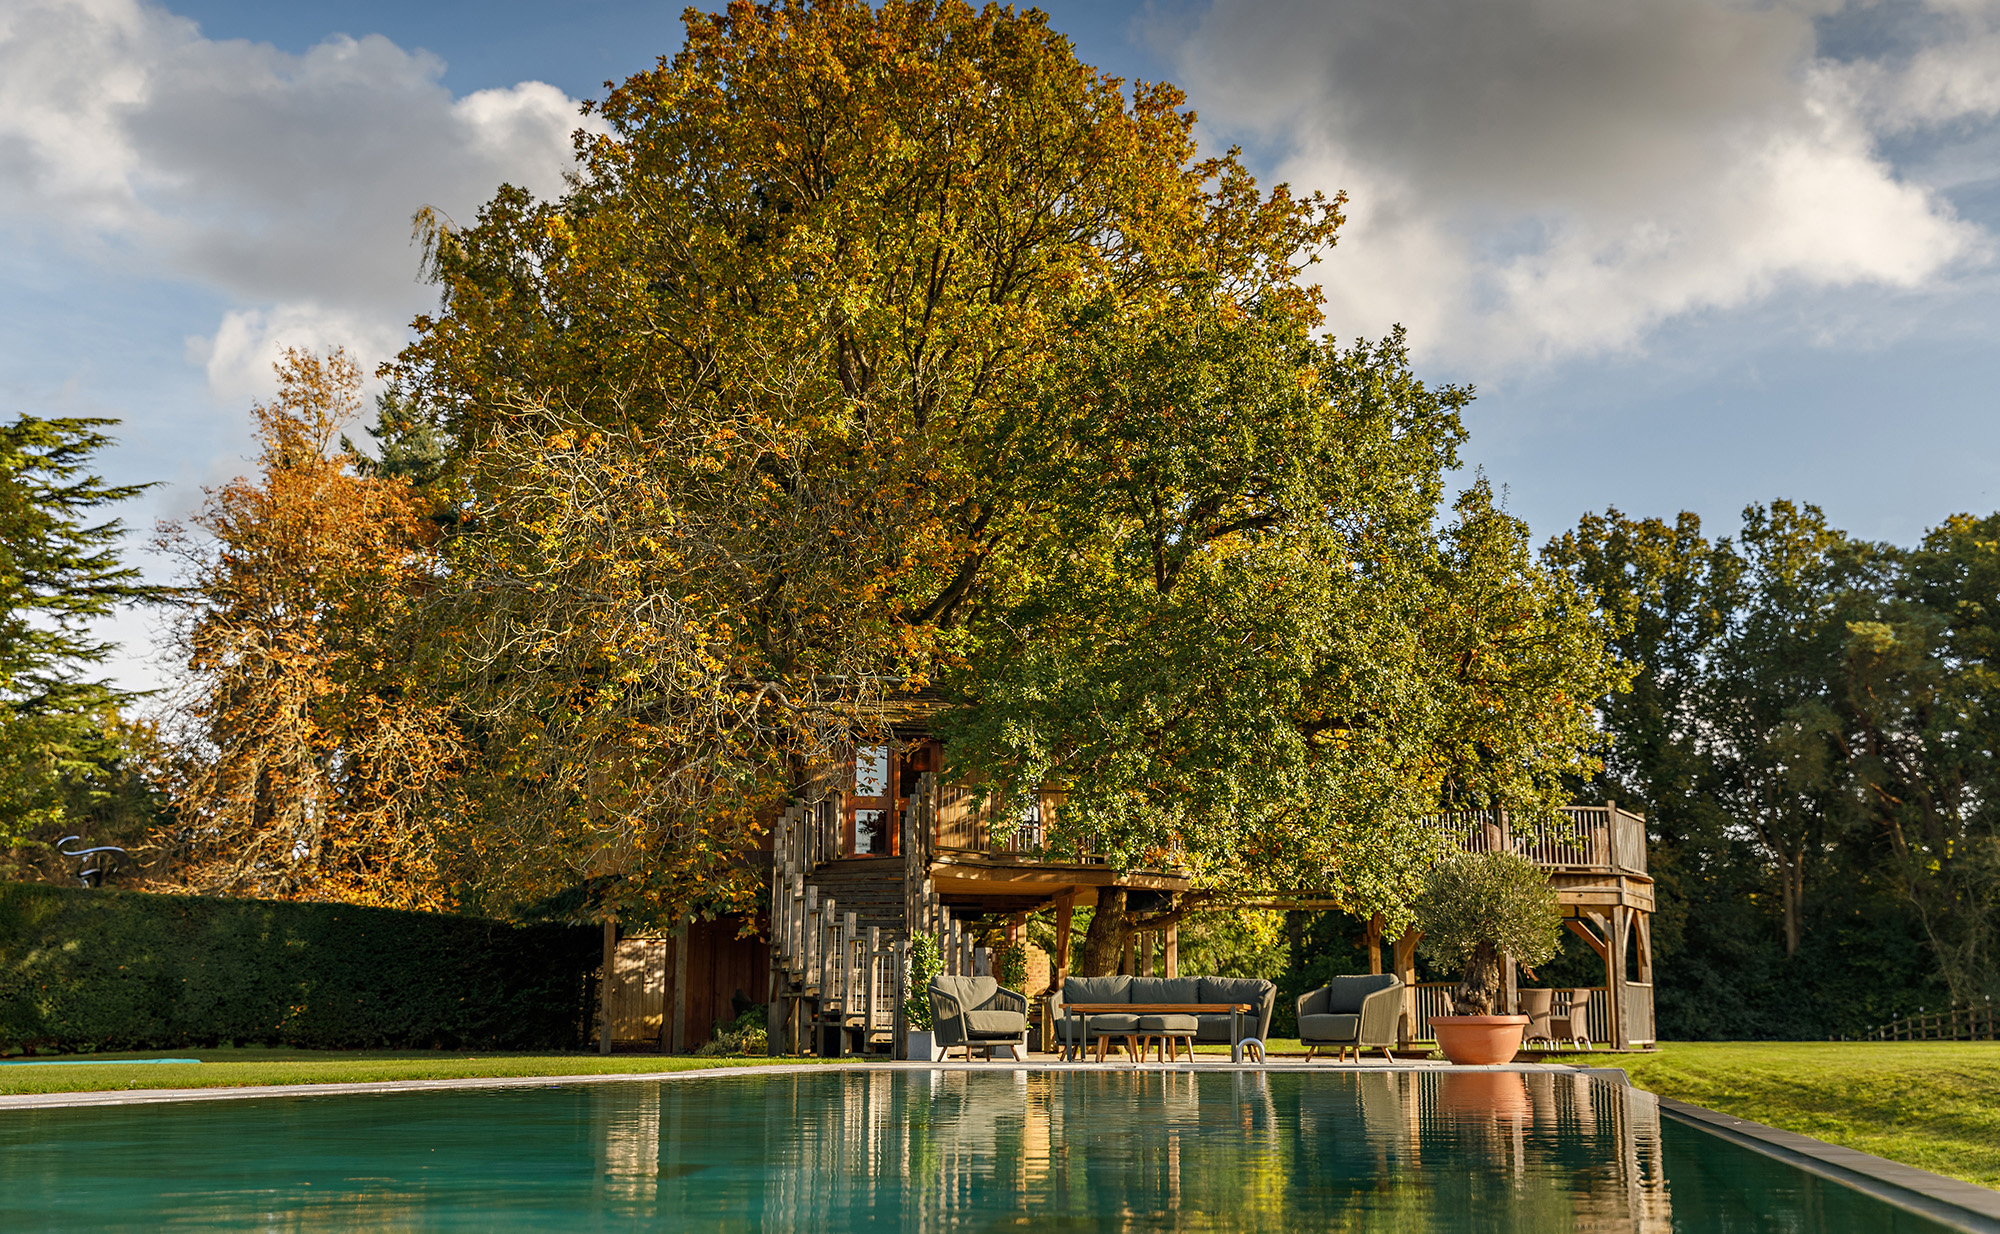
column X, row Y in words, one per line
column 1960, row 1205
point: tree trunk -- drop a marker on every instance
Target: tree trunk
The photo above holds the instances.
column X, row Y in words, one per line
column 1479, row 985
column 1110, row 926
column 1792, row 885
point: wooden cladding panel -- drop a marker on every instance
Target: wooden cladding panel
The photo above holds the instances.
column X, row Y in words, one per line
column 718, row 963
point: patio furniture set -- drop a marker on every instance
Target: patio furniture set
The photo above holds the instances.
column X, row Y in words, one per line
column 1164, row 1014
column 1559, row 1017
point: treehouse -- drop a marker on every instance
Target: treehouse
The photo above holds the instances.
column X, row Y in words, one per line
column 894, row 851
column 1596, row 862
column 890, row 850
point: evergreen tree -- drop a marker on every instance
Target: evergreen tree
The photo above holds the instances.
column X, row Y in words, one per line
column 60, row 571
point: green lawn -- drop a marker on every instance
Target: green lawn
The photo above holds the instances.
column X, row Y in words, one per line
column 1934, row 1105
column 237, row 1067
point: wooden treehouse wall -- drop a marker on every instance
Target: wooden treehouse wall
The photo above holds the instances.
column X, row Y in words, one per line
column 719, row 965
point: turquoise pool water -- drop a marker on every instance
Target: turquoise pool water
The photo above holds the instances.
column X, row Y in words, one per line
column 918, row 1151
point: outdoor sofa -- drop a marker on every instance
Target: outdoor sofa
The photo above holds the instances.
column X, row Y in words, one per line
column 1259, row 993
column 978, row 1014
column 1351, row 1013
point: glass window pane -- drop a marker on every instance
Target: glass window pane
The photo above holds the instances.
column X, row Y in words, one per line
column 871, row 771
column 871, row 832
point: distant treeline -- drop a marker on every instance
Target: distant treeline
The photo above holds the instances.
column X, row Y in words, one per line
column 1812, row 734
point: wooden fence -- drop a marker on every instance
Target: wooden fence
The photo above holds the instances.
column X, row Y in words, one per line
column 1433, row 998
column 1974, row 1023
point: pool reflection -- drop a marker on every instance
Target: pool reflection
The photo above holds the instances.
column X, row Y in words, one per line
column 944, row 1149
column 932, row 1150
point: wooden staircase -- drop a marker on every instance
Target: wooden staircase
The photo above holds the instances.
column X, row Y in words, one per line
column 840, row 929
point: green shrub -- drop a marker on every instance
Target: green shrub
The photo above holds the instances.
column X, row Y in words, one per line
column 1010, row 965
column 124, row 970
column 926, row 962
column 746, row 1034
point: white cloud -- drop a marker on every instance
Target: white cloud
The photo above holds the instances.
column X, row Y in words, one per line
column 238, row 356
column 287, row 182
column 1533, row 179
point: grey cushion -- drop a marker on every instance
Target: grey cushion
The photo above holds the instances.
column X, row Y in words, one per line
column 1082, row 1030
column 1216, row 1027
column 969, row 991
column 995, row 1023
column 1344, row 994
column 1259, row 993
column 1111, row 1024
column 1330, row 1028
column 1252, row 990
column 1167, row 1023
column 1097, row 989
column 1166, row 989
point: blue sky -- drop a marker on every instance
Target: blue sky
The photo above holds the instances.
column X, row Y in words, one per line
column 1692, row 253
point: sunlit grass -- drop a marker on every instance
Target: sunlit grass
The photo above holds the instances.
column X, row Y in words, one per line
column 228, row 1068
column 1930, row 1104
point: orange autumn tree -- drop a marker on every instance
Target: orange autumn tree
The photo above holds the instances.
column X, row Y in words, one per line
column 308, row 762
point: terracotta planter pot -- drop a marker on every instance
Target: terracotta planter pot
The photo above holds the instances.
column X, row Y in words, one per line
column 1479, row 1040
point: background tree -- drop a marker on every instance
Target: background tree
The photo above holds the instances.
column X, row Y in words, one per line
column 1922, row 688
column 1781, row 913
column 59, row 572
column 306, row 754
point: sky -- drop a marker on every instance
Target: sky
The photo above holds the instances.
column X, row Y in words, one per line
column 1692, row 254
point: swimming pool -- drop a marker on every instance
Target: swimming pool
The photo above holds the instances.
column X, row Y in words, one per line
column 923, row 1150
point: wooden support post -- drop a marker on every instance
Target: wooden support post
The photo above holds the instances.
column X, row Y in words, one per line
column 680, row 1011
column 849, row 936
column 1059, row 962
column 1125, row 958
column 1405, row 961
column 1510, row 987
column 1145, row 968
column 899, row 1038
column 874, row 980
column 604, row 986
column 1173, row 950
column 809, row 961
column 1621, row 941
column 1372, row 942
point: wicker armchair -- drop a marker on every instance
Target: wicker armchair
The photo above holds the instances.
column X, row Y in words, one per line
column 976, row 1013
column 1351, row 1014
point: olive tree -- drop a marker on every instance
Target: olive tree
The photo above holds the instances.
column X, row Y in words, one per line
column 1479, row 907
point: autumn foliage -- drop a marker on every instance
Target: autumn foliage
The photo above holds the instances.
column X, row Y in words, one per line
column 307, row 755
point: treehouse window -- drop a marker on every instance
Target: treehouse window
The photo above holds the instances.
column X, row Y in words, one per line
column 871, row 771
column 871, row 810
column 1028, row 834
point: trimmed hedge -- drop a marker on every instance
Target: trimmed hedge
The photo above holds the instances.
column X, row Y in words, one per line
column 84, row 969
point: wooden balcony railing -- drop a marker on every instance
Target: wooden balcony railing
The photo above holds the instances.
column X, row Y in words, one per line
column 1594, row 838
column 1432, row 998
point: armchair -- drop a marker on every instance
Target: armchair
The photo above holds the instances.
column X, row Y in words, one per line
column 976, row 1013
column 1351, row 1013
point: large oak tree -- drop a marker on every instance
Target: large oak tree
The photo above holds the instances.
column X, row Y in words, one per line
column 884, row 347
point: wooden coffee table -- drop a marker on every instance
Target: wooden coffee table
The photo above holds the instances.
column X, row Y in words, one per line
column 1072, row 1030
